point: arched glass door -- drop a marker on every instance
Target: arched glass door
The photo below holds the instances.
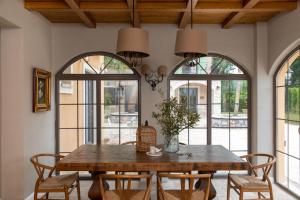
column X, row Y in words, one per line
column 97, row 101
column 219, row 90
column 287, row 92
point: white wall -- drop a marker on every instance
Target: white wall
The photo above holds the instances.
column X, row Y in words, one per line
column 284, row 36
column 71, row 40
column 23, row 133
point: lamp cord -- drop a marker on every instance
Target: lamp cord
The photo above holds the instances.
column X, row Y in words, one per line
column 133, row 13
column 191, row 14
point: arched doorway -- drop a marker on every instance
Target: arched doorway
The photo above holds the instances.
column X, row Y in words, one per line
column 287, row 122
column 97, row 101
column 218, row 89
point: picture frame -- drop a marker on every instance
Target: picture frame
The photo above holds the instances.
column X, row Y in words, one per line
column 41, row 90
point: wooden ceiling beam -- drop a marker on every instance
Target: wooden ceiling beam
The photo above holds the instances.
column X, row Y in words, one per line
column 135, row 18
column 84, row 16
column 234, row 17
column 204, row 7
column 185, row 19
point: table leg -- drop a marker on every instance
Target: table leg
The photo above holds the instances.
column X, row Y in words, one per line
column 201, row 184
column 94, row 191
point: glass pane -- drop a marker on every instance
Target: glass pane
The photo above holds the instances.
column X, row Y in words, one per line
column 128, row 92
column 240, row 153
column 87, row 116
column 239, row 98
column 80, row 67
column 128, row 135
column 217, row 91
column 282, row 75
column 293, row 76
column 110, row 115
column 202, row 111
column 282, row 135
column 293, row 101
column 294, row 175
column 68, row 116
column 129, row 119
column 88, row 136
column 67, row 92
column 197, row 92
column 198, row 137
column 68, row 140
column 226, row 67
column 282, row 168
column 110, row 92
column 294, row 139
column 87, row 92
column 219, row 118
column 220, row 136
column 110, row 136
column 114, row 66
column 177, row 88
column 281, row 100
column 209, row 63
column 238, row 139
column 183, row 137
column 191, row 67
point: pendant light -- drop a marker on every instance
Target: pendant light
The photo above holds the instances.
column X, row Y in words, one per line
column 191, row 43
column 133, row 43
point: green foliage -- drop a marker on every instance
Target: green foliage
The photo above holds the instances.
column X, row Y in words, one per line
column 228, row 94
column 293, row 103
column 295, row 72
column 174, row 117
column 115, row 65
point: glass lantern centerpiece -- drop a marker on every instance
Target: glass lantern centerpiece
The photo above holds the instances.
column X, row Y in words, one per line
column 174, row 116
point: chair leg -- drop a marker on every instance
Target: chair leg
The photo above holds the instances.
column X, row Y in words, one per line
column 35, row 195
column 47, row 195
column 241, row 195
column 67, row 194
column 78, row 189
column 228, row 189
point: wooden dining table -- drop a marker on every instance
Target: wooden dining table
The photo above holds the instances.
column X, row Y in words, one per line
column 99, row 159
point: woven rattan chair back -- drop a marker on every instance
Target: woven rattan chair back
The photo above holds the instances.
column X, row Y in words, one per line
column 124, row 188
column 186, row 192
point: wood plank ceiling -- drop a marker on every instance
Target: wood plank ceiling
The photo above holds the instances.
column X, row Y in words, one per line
column 224, row 12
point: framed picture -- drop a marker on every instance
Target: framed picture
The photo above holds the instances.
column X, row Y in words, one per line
column 41, row 90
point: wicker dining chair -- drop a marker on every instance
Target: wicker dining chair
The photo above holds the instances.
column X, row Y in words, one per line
column 258, row 181
column 122, row 192
column 184, row 193
column 47, row 183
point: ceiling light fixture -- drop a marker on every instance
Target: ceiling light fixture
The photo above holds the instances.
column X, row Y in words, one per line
column 191, row 43
column 133, row 42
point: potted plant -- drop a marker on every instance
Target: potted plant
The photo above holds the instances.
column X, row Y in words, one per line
column 173, row 117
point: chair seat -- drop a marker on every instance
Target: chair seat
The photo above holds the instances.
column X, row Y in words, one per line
column 248, row 182
column 176, row 195
column 125, row 195
column 57, row 182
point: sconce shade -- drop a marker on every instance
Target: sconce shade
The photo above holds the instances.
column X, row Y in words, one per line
column 146, row 70
column 191, row 43
column 162, row 70
column 133, row 42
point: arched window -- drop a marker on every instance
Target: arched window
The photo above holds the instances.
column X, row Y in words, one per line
column 219, row 90
column 287, row 118
column 97, row 101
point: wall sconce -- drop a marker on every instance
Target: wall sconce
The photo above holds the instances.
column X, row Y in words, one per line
column 153, row 78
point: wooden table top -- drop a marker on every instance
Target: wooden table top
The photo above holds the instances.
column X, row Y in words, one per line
column 125, row 158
